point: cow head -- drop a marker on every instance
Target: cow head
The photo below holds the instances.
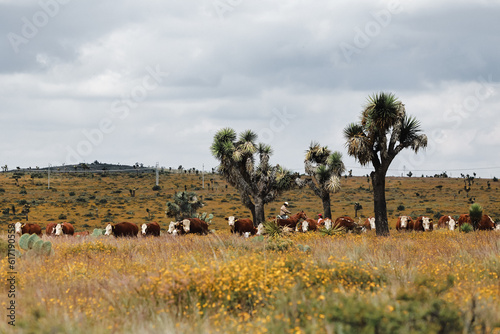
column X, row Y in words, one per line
column 186, row 225
column 404, row 221
column 328, row 223
column 452, row 224
column 372, row 222
column 231, row 220
column 58, row 229
column 144, row 228
column 109, row 230
column 247, row 234
column 260, row 229
column 18, row 228
column 172, row 227
column 305, row 226
column 426, row 223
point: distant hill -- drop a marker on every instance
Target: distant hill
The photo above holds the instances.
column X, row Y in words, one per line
column 89, row 167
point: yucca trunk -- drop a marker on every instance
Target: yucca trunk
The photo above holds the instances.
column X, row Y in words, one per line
column 379, row 203
column 327, row 211
column 259, row 213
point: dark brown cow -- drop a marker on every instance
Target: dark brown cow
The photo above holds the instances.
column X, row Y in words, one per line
column 193, row 225
column 423, row 224
column 29, row 228
column 486, row 223
column 150, row 229
column 241, row 226
column 447, row 222
column 64, row 228
column 50, row 229
column 347, row 222
column 292, row 221
column 405, row 223
column 124, row 229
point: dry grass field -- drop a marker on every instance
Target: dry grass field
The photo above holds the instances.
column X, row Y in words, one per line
column 437, row 282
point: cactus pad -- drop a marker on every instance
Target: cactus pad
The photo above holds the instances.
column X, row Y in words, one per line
column 37, row 246
column 23, row 241
column 32, row 239
column 46, row 248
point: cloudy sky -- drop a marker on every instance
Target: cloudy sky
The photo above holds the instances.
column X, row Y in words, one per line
column 152, row 81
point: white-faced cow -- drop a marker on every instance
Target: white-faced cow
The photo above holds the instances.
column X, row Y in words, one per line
column 194, row 225
column 404, row 223
column 423, row 224
column 369, row 224
column 260, row 229
column 241, row 226
column 447, row 222
column 172, row 228
column 64, row 228
column 50, row 229
column 124, row 229
column 309, row 225
column 150, row 229
column 29, row 228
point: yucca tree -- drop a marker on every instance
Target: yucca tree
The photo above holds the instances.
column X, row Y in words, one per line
column 245, row 165
column 384, row 131
column 184, row 205
column 324, row 169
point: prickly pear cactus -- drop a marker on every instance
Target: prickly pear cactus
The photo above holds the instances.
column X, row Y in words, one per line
column 32, row 239
column 46, row 248
column 98, row 232
column 23, row 242
column 37, row 246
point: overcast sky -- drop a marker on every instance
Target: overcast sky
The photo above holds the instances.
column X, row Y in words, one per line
column 152, row 81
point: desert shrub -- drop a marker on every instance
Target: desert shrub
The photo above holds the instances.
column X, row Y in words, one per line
column 22, row 202
column 401, row 207
column 103, row 201
column 81, row 200
column 71, row 193
column 429, row 210
column 23, row 192
column 156, row 188
column 279, row 244
column 466, row 228
column 2, row 190
column 62, row 216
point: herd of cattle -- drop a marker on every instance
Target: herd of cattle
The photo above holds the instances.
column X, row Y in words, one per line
column 244, row 226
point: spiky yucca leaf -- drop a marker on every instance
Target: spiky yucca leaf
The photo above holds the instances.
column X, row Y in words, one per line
column 381, row 112
column 333, row 184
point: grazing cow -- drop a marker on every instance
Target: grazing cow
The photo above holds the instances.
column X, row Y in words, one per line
column 423, row 224
column 292, row 221
column 150, row 229
column 447, row 222
column 172, row 228
column 241, row 226
column 124, row 229
column 82, row 234
column 64, row 228
column 486, row 223
column 50, row 229
column 347, row 222
column 404, row 223
column 309, row 225
column 463, row 219
column 29, row 228
column 194, row 225
column 369, row 223
column 328, row 223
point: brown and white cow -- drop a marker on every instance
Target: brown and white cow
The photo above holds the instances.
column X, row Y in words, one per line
column 194, row 225
column 424, row 224
column 347, row 222
column 64, row 228
column 486, row 223
column 150, row 229
column 404, row 223
column 260, row 229
column 50, row 229
column 309, row 225
column 447, row 222
column 172, row 228
column 369, row 223
column 241, row 226
column 124, row 229
column 29, row 228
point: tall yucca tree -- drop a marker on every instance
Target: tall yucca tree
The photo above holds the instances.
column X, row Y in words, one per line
column 383, row 132
column 324, row 169
column 245, row 166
